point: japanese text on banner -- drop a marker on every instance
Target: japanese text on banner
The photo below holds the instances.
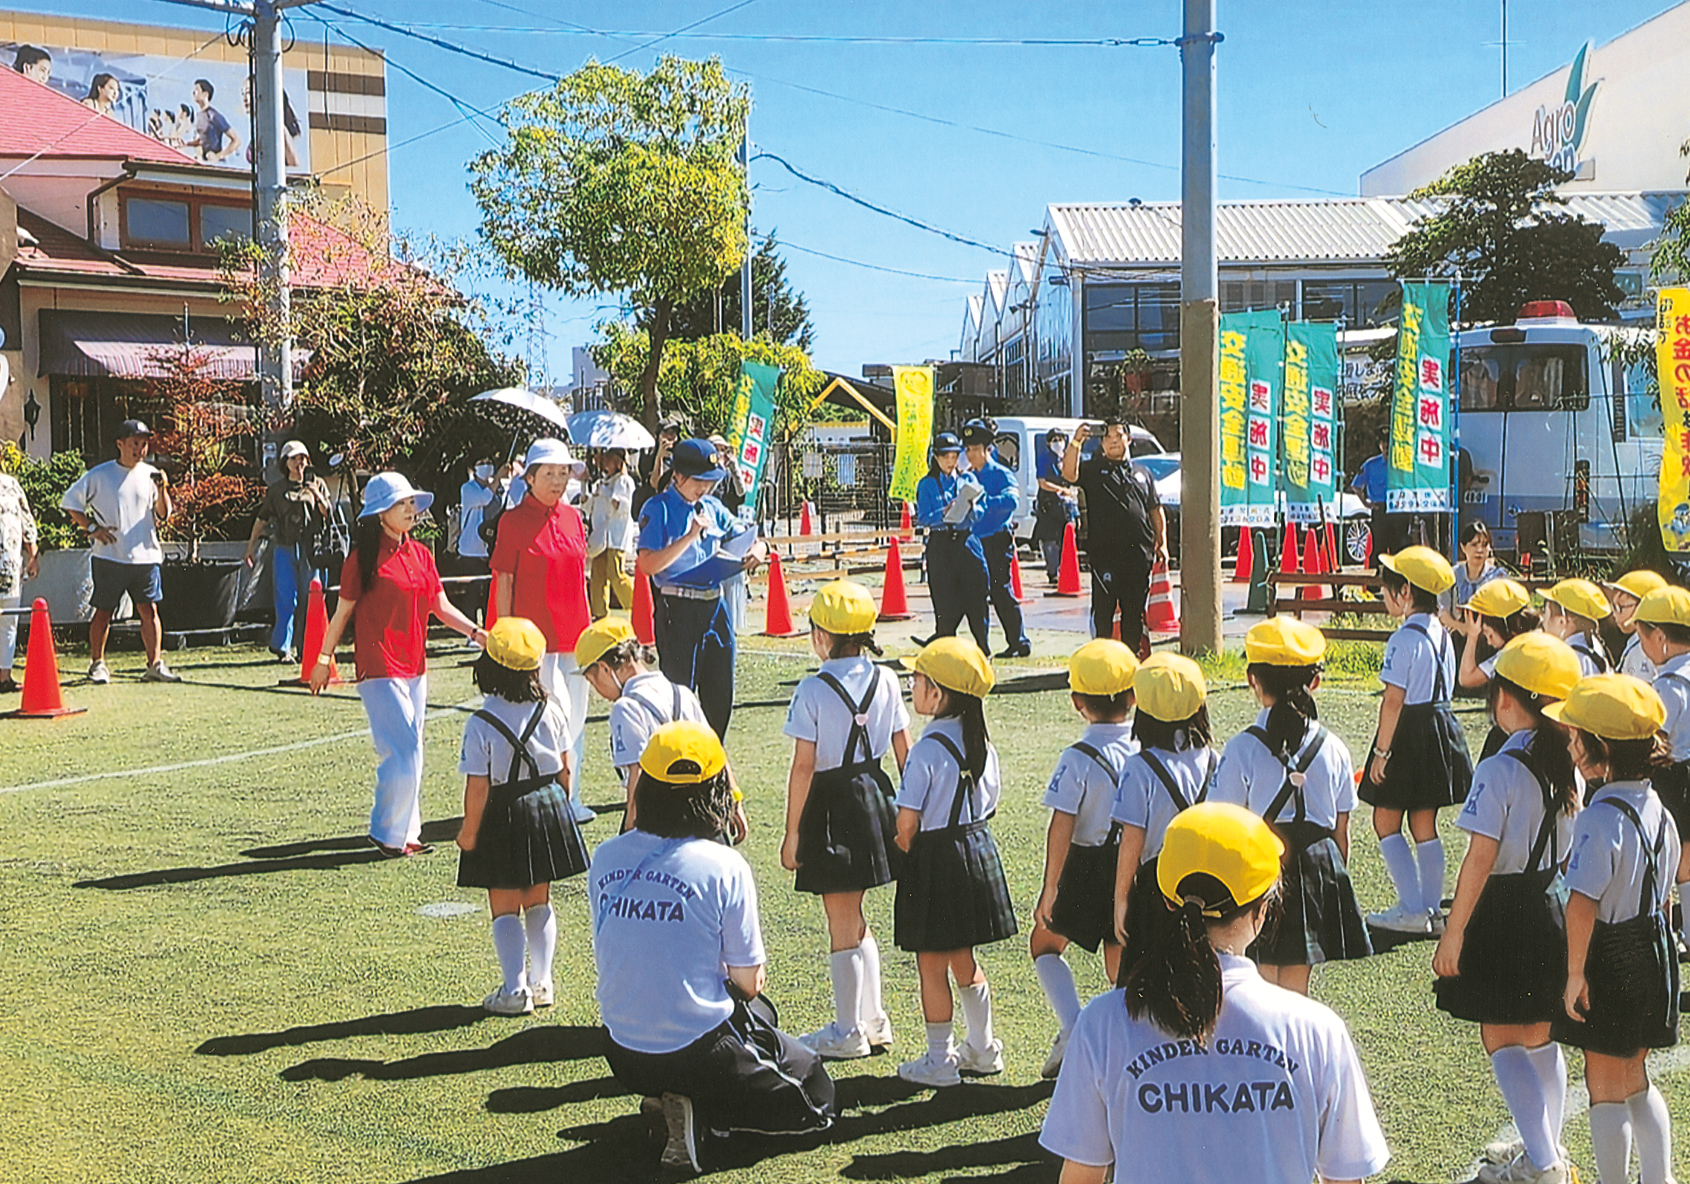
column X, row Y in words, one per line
column 1672, row 361
column 914, row 385
column 753, row 419
column 1417, row 473
column 1309, row 420
column 1252, row 355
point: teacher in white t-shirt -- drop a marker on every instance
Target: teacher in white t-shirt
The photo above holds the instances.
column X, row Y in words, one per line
column 120, row 505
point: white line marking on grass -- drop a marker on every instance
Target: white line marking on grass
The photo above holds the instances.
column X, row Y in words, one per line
column 227, row 758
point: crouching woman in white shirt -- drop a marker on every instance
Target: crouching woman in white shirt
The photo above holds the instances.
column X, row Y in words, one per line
column 681, row 966
column 1197, row 1069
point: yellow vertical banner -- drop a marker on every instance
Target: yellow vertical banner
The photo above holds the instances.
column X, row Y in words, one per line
column 1672, row 362
column 914, row 386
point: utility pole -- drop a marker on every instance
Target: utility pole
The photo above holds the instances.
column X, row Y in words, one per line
column 1199, row 340
column 745, row 266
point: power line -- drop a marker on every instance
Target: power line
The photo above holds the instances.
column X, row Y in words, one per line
column 920, row 275
column 682, row 30
column 807, row 38
column 410, row 31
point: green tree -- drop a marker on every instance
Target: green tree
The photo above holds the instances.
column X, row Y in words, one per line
column 1669, row 261
column 780, row 310
column 1499, row 222
column 700, row 378
column 619, row 183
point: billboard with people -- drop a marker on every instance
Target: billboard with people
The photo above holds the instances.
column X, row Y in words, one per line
column 202, row 108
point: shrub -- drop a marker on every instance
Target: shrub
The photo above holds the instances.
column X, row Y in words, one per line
column 44, row 481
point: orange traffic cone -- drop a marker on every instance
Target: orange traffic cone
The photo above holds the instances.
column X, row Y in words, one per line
column 805, row 527
column 1314, row 564
column 1333, row 562
column 316, row 625
column 644, row 631
column 1160, row 614
column 777, row 613
column 1015, row 589
column 1243, row 569
column 1288, row 552
column 1068, row 575
column 42, row 696
column 906, row 530
column 894, row 604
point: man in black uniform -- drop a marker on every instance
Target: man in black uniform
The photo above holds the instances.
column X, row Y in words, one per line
column 1126, row 532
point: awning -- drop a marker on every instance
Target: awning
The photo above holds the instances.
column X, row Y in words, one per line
column 84, row 344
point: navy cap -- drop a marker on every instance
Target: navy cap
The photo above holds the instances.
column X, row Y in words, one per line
column 975, row 431
column 946, row 442
column 697, row 458
column 132, row 427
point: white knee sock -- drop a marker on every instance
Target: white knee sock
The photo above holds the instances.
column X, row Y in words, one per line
column 1058, row 982
column 541, row 926
column 1399, row 862
column 1521, row 1089
column 1610, row 1139
column 1684, row 912
column 1651, row 1127
column 1430, row 856
column 510, row 943
column 939, row 1041
column 1551, row 1066
column 977, row 1013
column 846, row 969
column 871, row 1008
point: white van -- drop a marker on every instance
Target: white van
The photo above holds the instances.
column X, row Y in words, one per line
column 1021, row 439
column 1555, row 424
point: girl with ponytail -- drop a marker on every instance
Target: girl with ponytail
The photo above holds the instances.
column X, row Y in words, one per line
column 1219, row 1068
column 1299, row 777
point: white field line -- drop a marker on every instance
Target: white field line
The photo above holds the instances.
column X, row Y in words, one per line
column 226, row 758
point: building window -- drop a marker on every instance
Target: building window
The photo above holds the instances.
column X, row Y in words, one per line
column 223, row 222
column 155, row 221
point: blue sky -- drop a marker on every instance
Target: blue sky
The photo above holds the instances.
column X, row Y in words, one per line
column 1311, row 93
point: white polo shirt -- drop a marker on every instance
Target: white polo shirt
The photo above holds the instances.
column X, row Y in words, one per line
column 1672, row 684
column 1275, row 1096
column 1251, row 776
column 819, row 715
column 486, row 753
column 647, row 703
column 1142, row 800
column 1591, row 658
column 1635, row 662
column 1506, row 804
column 1412, row 660
column 1608, row 854
column 930, row 779
column 121, row 500
column 1080, row 787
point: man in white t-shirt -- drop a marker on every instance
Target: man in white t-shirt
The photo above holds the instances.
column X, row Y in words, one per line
column 120, row 504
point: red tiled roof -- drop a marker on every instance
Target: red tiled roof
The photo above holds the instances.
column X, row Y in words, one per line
column 40, row 120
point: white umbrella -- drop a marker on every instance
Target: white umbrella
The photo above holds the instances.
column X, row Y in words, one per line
column 609, row 429
column 525, row 400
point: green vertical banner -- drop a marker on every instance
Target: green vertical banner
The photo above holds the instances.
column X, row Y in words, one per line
column 1252, row 356
column 753, row 419
column 914, row 386
column 1417, row 472
column 1309, row 420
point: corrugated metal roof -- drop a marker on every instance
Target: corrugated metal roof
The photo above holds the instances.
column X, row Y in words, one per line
column 997, row 283
column 1341, row 231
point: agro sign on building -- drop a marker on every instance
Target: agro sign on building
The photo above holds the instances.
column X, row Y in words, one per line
column 1558, row 130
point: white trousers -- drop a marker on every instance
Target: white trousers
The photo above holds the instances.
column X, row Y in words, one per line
column 9, row 628
column 563, row 681
column 396, row 708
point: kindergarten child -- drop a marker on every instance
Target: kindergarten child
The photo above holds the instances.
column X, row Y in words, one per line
column 1082, row 843
column 518, row 833
column 1420, row 762
column 1299, row 777
column 1173, row 770
column 1502, row 961
column 841, row 826
column 1625, row 594
column 1622, row 974
column 1663, row 629
column 952, row 895
column 1571, row 611
column 1497, row 614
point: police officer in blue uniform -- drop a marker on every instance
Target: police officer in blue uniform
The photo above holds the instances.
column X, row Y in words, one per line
column 999, row 505
column 684, row 531
column 956, row 563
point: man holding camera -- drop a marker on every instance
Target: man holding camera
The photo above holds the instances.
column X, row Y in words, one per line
column 1126, row 531
column 120, row 504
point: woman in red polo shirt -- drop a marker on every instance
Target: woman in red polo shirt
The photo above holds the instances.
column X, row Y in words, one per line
column 388, row 589
column 539, row 566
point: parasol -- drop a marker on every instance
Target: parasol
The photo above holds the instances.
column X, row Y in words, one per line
column 609, row 429
column 525, row 400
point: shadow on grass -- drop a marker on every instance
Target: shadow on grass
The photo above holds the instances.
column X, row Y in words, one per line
column 393, row 1023
column 1021, row 1154
column 536, row 1099
column 532, row 1046
column 438, row 830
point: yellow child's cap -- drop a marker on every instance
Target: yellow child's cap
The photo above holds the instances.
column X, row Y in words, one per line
column 1422, row 567
column 684, row 752
column 599, row 638
column 1664, row 606
column 1639, row 583
column 1612, row 706
column 1102, row 667
column 1169, row 687
column 1284, row 641
column 957, row 665
column 1540, row 663
column 1225, row 841
column 844, row 607
column 1580, row 597
column 1500, row 598
column 516, row 643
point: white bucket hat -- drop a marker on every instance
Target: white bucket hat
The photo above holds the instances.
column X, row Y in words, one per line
column 294, row 448
column 551, row 451
column 387, row 490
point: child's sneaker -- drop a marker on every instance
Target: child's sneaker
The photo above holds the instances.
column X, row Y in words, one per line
column 1058, row 1049
column 99, row 672
column 937, row 1070
column 503, row 1002
column 541, row 993
column 878, row 1031
column 1435, row 922
column 680, row 1153
column 1401, row 920
column 980, row 1062
column 837, row 1045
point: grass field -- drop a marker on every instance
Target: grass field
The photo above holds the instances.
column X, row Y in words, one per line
column 208, row 976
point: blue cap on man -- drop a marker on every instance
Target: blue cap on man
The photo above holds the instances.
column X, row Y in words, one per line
column 977, row 432
column 946, row 442
column 696, row 458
